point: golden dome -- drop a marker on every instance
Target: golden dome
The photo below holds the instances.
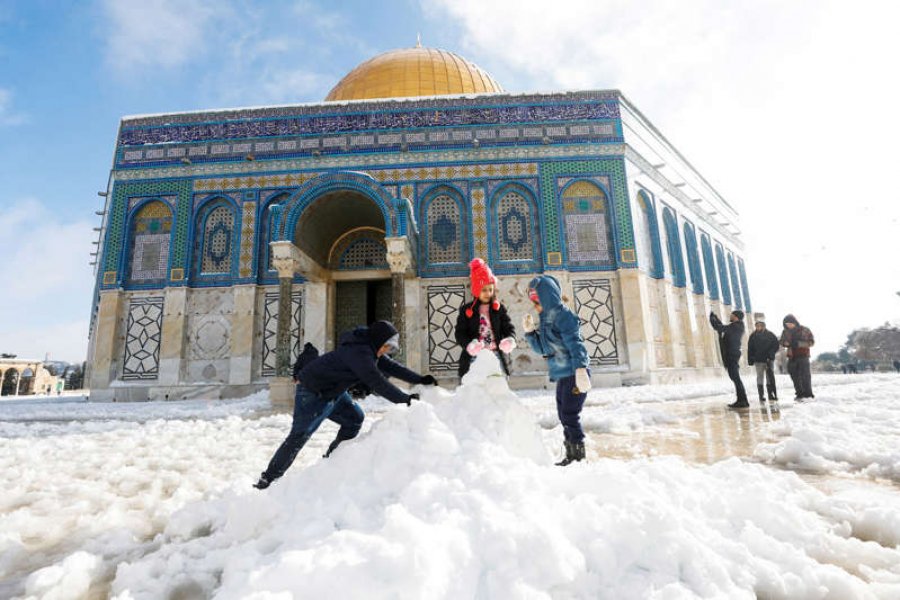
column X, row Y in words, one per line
column 413, row 72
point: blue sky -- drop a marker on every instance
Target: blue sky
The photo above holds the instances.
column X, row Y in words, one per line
column 789, row 109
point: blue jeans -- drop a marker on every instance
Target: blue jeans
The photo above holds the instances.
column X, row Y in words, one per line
column 310, row 409
column 568, row 407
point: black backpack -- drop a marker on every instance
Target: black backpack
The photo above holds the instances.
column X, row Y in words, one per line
column 309, row 354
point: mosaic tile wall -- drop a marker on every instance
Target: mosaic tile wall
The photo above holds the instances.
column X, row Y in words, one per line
column 443, row 306
column 735, row 285
column 614, row 169
column 594, row 307
column 143, row 333
column 709, row 266
column 515, row 228
column 117, row 226
column 723, row 275
column 588, row 232
column 151, row 233
column 217, row 241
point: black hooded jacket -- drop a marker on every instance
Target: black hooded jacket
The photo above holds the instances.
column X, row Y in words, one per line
column 730, row 337
column 355, row 361
column 762, row 346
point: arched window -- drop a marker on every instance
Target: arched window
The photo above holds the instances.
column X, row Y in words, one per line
column 445, row 239
column 264, row 268
column 514, row 231
column 588, row 225
column 150, row 232
column 648, row 251
column 735, row 286
column 673, row 245
column 744, row 287
column 360, row 249
column 214, row 239
column 723, row 274
column 709, row 266
column 690, row 243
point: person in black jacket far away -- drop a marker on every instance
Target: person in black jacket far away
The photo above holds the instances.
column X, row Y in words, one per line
column 762, row 347
column 730, row 344
column 361, row 357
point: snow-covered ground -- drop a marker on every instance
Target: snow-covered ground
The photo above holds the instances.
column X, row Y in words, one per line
column 456, row 497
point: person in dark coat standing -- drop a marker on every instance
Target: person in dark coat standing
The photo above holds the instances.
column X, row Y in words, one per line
column 761, row 350
column 361, row 357
column 483, row 324
column 798, row 340
column 730, row 337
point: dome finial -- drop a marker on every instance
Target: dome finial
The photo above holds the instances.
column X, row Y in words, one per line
column 418, row 40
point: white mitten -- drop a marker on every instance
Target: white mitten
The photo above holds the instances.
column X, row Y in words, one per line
column 474, row 347
column 528, row 323
column 507, row 345
column 582, row 380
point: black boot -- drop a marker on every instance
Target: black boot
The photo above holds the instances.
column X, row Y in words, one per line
column 773, row 395
column 739, row 404
column 762, row 396
column 574, row 453
column 263, row 482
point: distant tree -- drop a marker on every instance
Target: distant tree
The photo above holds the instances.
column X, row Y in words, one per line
column 879, row 345
column 75, row 379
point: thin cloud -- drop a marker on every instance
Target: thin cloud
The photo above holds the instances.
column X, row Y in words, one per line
column 44, row 259
column 8, row 116
column 786, row 108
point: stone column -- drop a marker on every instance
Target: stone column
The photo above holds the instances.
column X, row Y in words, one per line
column 174, row 328
column 400, row 260
column 638, row 329
column 240, row 369
column 106, row 336
column 285, row 260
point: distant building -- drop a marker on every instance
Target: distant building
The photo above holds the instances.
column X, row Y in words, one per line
column 232, row 236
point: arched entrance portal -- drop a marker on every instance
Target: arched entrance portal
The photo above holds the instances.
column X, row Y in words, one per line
column 10, row 383
column 343, row 232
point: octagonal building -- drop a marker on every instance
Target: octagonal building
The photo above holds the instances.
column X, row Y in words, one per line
column 232, row 236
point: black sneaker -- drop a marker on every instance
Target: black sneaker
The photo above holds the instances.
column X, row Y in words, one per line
column 263, row 482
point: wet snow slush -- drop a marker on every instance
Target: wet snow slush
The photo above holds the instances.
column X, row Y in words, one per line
column 457, row 497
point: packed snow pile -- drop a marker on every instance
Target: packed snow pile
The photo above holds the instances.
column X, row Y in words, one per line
column 455, row 497
column 850, row 428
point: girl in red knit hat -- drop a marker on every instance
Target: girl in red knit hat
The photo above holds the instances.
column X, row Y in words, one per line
column 483, row 323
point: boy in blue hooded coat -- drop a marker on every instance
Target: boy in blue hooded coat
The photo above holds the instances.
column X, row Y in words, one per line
column 557, row 337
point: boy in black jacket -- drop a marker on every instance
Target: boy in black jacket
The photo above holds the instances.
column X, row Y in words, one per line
column 730, row 344
column 361, row 357
column 761, row 349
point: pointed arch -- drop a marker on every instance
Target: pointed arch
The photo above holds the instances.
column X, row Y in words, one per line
column 214, row 253
column 149, row 243
column 514, row 229
column 444, row 240
column 589, row 226
column 647, row 234
column 673, row 245
column 709, row 266
column 723, row 274
column 693, row 255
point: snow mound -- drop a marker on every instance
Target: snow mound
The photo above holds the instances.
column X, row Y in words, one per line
column 455, row 497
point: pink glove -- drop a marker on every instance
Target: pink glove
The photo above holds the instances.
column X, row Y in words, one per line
column 507, row 345
column 474, row 347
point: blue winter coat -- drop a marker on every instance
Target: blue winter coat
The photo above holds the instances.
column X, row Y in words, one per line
column 355, row 361
column 558, row 336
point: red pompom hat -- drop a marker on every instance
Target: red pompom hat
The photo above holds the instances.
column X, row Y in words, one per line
column 480, row 275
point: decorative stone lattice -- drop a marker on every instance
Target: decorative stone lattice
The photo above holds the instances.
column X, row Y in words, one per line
column 217, row 241
column 270, row 330
column 594, row 307
column 151, row 230
column 143, row 332
column 588, row 232
column 514, row 228
column 444, row 241
column 443, row 305
column 365, row 253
